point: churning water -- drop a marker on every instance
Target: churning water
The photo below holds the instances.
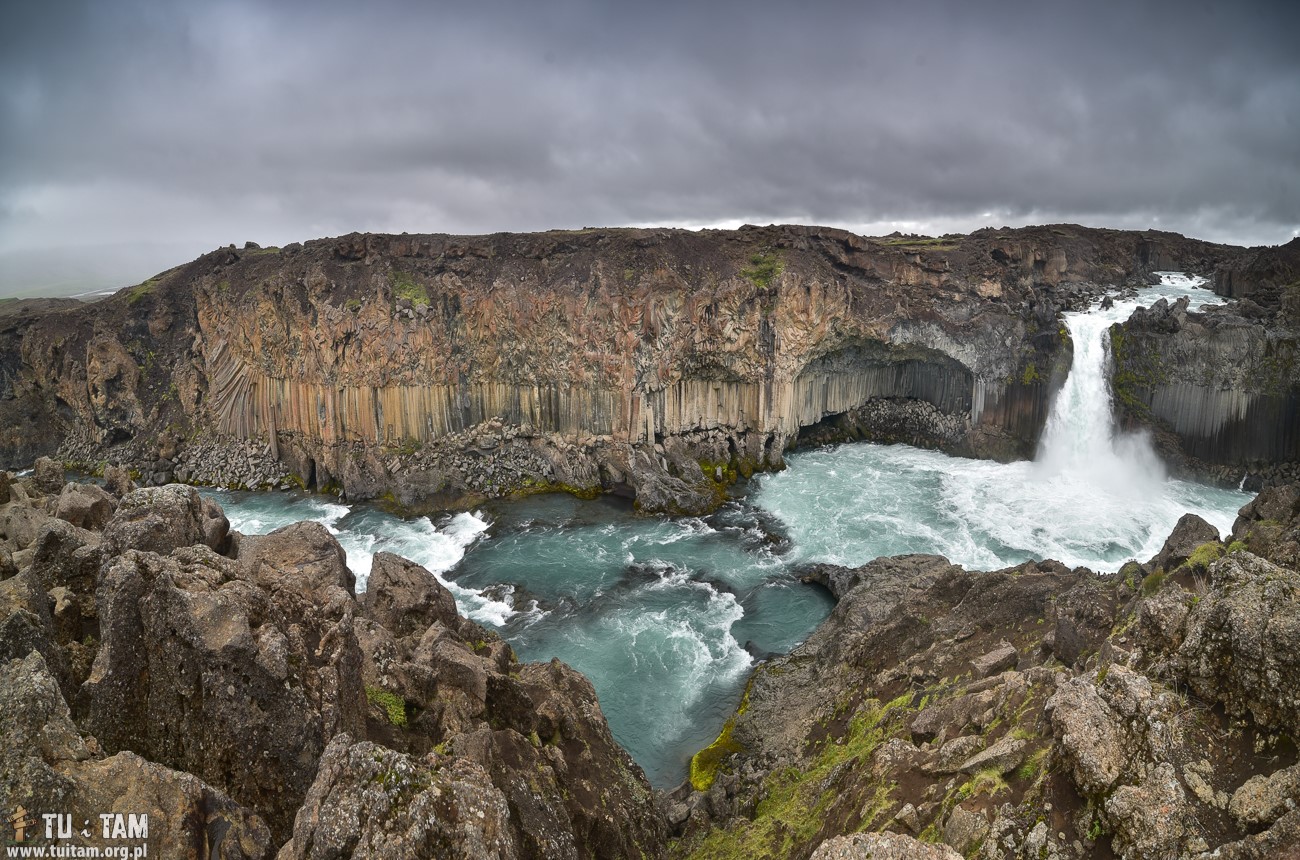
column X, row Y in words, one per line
column 1093, row 496
column 666, row 616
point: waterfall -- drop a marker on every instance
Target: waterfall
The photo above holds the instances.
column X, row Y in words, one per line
column 1081, row 440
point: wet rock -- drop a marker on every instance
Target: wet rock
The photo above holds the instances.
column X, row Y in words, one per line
column 5, row 480
column 48, row 766
column 1189, row 534
column 85, row 506
column 834, row 578
column 881, row 846
column 368, row 801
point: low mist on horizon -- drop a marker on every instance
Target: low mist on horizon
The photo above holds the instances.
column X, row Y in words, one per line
column 136, row 135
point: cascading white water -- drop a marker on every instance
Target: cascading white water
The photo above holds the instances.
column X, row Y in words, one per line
column 1080, row 442
column 1093, row 497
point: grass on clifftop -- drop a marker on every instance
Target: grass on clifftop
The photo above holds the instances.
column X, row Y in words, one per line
column 406, row 287
column 763, row 269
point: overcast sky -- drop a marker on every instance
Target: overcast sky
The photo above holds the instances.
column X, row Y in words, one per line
column 158, row 130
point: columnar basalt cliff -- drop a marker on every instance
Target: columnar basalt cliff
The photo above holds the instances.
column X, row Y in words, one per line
column 658, row 363
column 1221, row 389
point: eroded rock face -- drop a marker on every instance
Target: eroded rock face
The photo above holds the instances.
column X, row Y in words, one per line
column 160, row 519
column 663, row 363
column 405, row 598
column 371, row 802
column 206, row 669
column 1242, row 645
column 220, row 682
column 536, row 730
column 48, row 767
column 1154, row 718
column 1217, row 389
column 86, row 506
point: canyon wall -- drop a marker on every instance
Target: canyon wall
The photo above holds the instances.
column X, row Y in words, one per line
column 658, row 363
column 1221, row 389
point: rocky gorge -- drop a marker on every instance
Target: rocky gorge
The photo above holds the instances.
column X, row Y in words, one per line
column 1032, row 712
column 243, row 690
column 433, row 371
column 238, row 691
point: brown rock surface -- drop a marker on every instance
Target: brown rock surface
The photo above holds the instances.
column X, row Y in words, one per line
column 49, row 768
column 623, row 359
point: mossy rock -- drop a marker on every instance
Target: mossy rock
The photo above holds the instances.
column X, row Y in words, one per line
column 393, row 705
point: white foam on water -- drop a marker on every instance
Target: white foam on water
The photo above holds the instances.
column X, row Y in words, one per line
column 1094, row 496
column 438, row 549
column 694, row 646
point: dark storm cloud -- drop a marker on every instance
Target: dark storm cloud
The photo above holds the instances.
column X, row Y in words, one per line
column 210, row 122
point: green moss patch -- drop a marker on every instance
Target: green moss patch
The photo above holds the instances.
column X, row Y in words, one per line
column 705, row 763
column 763, row 269
column 406, row 287
column 1204, row 555
column 795, row 800
column 393, row 705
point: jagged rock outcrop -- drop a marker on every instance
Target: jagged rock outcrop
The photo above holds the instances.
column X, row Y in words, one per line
column 1027, row 713
column 49, row 767
column 217, row 671
column 371, row 802
column 1221, row 392
column 252, row 701
column 1221, row 389
column 1268, row 277
column 657, row 363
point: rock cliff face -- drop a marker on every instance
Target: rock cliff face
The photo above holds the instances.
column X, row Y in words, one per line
column 1034, row 712
column 658, row 363
column 238, row 692
column 1221, row 389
